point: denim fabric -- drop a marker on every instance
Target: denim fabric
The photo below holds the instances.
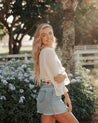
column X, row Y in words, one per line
column 48, row 103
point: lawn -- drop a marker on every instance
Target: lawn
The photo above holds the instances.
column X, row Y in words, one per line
column 4, row 51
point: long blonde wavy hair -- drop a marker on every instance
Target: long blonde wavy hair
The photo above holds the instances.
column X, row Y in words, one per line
column 36, row 49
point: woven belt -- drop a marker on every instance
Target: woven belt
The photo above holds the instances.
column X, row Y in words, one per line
column 48, row 83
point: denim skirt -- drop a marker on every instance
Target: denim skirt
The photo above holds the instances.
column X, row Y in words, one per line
column 48, row 103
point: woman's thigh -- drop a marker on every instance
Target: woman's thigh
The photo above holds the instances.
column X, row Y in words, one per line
column 66, row 117
column 47, row 118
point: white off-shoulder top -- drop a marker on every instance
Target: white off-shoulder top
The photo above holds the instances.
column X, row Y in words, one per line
column 50, row 66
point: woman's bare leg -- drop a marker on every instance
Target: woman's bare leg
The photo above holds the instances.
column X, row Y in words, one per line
column 66, row 117
column 47, row 118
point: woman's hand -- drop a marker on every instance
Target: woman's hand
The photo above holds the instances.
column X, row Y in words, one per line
column 59, row 78
column 67, row 101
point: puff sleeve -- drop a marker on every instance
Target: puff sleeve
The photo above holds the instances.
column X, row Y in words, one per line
column 54, row 67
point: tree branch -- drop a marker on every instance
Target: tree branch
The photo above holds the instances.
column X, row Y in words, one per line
column 13, row 22
column 5, row 9
column 5, row 24
column 28, row 30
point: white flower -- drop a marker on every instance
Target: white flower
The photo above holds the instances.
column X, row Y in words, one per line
column 26, row 62
column 20, row 75
column 34, row 96
column 26, row 80
column 73, row 80
column 21, row 90
column 31, row 86
column 78, row 80
column 1, row 77
column 10, row 61
column 78, row 77
column 88, row 70
column 12, row 68
column 4, row 82
column 3, row 98
column 89, row 92
column 34, row 91
column 3, row 59
column 20, row 78
column 12, row 78
column 77, row 73
column 0, row 71
column 70, row 75
column 25, row 75
column 7, row 78
column 29, row 69
column 4, row 73
column 20, row 70
column 11, row 86
column 18, row 61
column 21, row 99
column 31, row 78
column 13, row 59
column 12, row 73
column 24, row 66
column 86, row 85
column 90, row 88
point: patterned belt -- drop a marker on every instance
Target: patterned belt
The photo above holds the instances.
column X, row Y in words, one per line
column 48, row 83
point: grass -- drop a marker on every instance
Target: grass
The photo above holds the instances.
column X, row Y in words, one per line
column 5, row 51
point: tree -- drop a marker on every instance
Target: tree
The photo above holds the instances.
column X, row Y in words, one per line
column 86, row 31
column 69, row 7
column 24, row 16
column 2, row 31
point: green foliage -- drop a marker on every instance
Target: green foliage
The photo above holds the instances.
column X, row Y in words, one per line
column 27, row 15
column 82, row 93
column 86, row 23
column 18, row 93
column 2, row 31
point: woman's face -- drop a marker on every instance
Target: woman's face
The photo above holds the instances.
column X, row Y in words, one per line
column 47, row 36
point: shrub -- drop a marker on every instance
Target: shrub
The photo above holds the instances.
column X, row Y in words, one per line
column 82, row 93
column 18, row 93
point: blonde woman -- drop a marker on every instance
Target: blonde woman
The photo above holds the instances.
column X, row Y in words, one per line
column 49, row 70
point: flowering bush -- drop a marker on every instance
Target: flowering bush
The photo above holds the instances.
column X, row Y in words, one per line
column 18, row 93
column 82, row 93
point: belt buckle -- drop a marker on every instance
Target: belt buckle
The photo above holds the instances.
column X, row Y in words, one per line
column 48, row 83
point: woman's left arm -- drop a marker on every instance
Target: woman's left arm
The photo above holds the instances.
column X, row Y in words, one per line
column 59, row 78
column 68, row 101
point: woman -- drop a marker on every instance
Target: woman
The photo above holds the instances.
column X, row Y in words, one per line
column 49, row 70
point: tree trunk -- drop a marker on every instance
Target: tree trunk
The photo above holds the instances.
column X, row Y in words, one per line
column 69, row 6
column 10, row 42
column 68, row 41
column 16, row 47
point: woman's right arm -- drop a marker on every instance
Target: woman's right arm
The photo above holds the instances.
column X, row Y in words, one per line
column 68, row 101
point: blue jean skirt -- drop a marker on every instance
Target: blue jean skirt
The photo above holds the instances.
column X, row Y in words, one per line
column 48, row 103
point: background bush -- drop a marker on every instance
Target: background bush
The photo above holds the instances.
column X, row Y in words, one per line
column 82, row 93
column 18, row 93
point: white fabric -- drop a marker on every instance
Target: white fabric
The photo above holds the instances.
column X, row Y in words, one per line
column 50, row 66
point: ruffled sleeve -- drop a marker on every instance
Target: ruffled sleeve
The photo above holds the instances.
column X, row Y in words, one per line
column 54, row 67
